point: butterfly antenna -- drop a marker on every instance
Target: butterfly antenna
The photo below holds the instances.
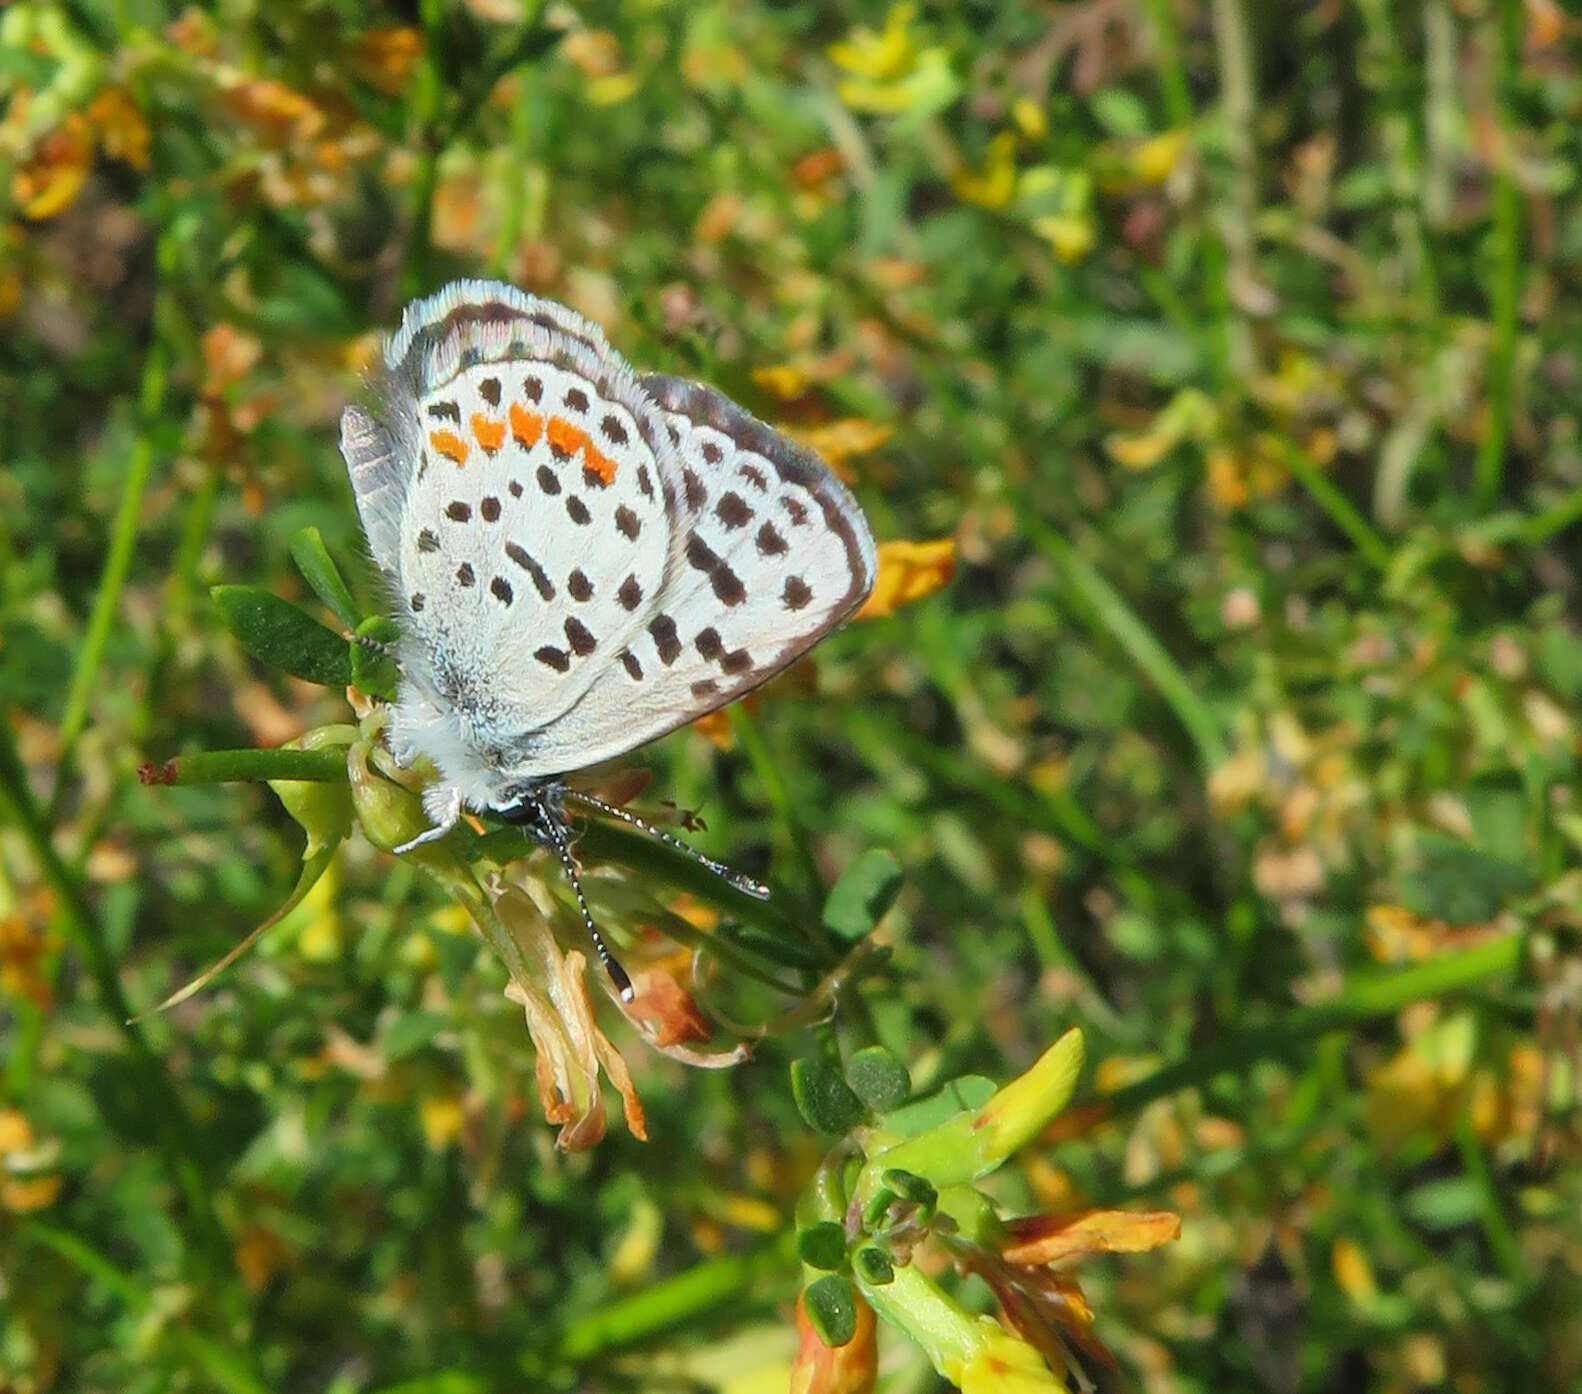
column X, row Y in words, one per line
column 745, row 884
column 612, row 965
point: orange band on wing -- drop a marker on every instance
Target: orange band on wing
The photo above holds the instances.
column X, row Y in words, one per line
column 601, row 465
column 449, row 443
column 526, row 425
column 570, row 439
column 489, row 434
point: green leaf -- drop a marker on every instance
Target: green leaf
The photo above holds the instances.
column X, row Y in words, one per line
column 275, row 632
column 822, row 1245
column 1459, row 884
column 373, row 671
column 1445, row 1204
column 873, row 1266
column 861, row 896
column 831, row 1306
column 909, row 1186
column 319, row 571
column 410, row 1033
column 956, row 1096
column 1497, row 804
column 878, row 1078
column 823, row 1098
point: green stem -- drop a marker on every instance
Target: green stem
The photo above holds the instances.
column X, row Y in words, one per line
column 123, row 537
column 752, row 743
column 1540, row 527
column 1507, row 263
column 1339, row 508
column 1502, row 1239
column 1110, row 613
column 1238, row 208
column 1365, row 998
column 231, row 766
column 1177, row 91
column 705, row 1288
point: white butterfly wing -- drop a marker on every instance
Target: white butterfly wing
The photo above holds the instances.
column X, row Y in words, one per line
column 769, row 552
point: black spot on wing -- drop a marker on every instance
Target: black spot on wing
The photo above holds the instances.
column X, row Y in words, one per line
column 579, row 585
column 541, row 580
column 427, row 541
column 457, row 511
column 551, row 657
column 464, row 574
column 666, row 641
column 445, row 411
column 579, row 637
column 732, row 510
column 501, row 589
column 697, row 495
column 489, row 390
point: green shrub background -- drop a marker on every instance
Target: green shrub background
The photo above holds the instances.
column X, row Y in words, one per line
column 1235, row 346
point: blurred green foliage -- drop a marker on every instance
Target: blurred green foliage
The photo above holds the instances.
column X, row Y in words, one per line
column 1235, row 346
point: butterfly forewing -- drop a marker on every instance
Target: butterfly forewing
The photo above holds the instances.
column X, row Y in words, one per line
column 768, row 553
column 532, row 532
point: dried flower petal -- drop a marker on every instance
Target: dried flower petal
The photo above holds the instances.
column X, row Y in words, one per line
column 1045, row 1239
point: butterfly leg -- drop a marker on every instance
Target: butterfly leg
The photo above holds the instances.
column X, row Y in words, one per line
column 541, row 813
column 442, row 803
column 745, row 884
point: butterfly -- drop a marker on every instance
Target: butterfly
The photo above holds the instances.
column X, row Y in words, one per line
column 580, row 558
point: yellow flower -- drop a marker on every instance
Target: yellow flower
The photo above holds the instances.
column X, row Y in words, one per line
column 878, row 56
column 908, row 571
column 890, row 75
column 1005, row 1364
column 995, row 186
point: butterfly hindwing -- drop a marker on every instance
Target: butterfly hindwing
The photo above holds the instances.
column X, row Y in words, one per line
column 768, row 553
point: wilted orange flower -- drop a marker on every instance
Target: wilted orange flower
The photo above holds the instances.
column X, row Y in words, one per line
column 279, row 115
column 22, row 948
column 385, row 57
column 908, row 571
column 665, row 1008
column 50, row 178
column 123, row 134
column 24, row 1162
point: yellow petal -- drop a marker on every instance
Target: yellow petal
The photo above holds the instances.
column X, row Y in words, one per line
column 878, row 56
column 908, row 571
